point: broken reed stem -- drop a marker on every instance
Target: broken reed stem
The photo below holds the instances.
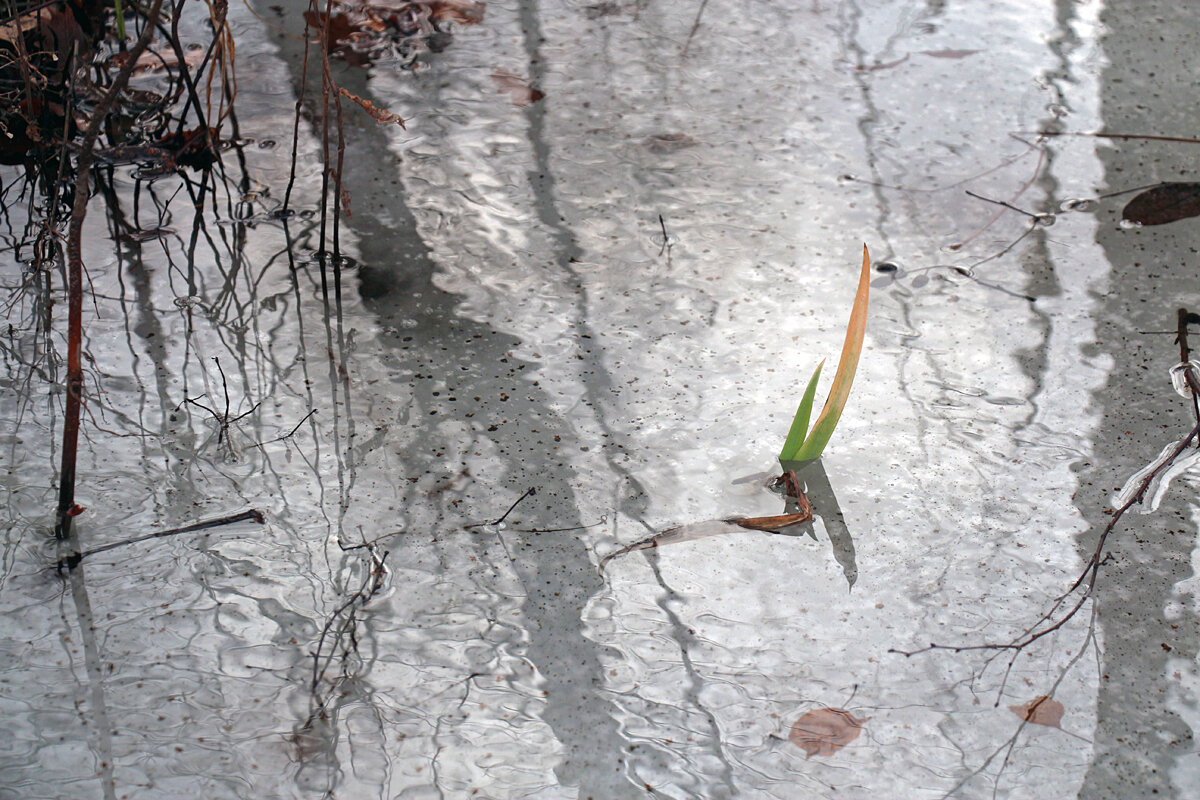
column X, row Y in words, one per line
column 252, row 515
column 1122, row 136
column 83, row 169
column 1046, row 623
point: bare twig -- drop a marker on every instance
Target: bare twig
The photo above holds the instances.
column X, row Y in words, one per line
column 1122, row 136
column 530, row 492
column 253, row 515
column 1056, row 617
column 290, row 433
column 83, row 169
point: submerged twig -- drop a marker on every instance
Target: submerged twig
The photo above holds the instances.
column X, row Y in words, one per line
column 530, row 492
column 340, row 627
column 1133, row 493
column 226, row 419
column 290, row 433
column 602, row 521
column 667, row 241
column 695, row 27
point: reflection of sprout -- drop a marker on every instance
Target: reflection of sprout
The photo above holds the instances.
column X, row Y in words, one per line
column 801, row 443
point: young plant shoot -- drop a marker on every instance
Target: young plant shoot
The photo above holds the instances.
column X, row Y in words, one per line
column 801, row 447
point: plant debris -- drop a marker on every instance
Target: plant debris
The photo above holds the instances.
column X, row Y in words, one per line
column 360, row 31
column 1164, row 203
column 824, row 731
column 1041, row 711
column 518, row 89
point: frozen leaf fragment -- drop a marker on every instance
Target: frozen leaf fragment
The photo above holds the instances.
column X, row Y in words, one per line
column 955, row 54
column 518, row 89
column 1166, row 202
column 1041, row 711
column 464, row 12
column 380, row 115
column 661, row 143
column 773, row 524
column 824, row 731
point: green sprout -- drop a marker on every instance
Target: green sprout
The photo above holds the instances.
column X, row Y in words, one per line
column 800, row 447
column 120, row 23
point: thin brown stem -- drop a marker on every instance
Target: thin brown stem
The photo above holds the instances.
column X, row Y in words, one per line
column 83, row 169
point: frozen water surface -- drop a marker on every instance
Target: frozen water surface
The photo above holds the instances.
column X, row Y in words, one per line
column 509, row 317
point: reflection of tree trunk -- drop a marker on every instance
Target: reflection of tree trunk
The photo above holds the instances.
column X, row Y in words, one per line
column 1138, row 740
column 465, row 371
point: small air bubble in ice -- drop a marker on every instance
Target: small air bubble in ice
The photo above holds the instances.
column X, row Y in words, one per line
column 1078, row 204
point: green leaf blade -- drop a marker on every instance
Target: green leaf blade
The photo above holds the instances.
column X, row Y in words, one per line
column 843, row 379
column 799, row 429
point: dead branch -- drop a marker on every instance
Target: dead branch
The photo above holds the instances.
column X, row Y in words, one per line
column 1062, row 611
column 252, row 515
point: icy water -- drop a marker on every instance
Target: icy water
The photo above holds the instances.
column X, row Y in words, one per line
column 510, row 317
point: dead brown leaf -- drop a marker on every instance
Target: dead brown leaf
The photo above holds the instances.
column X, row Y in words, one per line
column 518, row 89
column 1166, row 202
column 378, row 114
column 1041, row 711
column 464, row 12
column 668, row 142
column 50, row 29
column 824, row 731
column 155, row 60
column 949, row 53
column 877, row 67
column 772, row 524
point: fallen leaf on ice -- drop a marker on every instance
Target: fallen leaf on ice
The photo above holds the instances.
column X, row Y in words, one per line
column 518, row 88
column 1041, row 711
column 1166, row 202
column 824, row 731
column 949, row 53
column 772, row 524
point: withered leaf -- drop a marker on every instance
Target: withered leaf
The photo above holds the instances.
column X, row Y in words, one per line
column 668, row 142
column 1041, row 711
column 949, row 53
column 824, row 731
column 378, row 114
column 682, row 533
column 1166, row 202
column 888, row 65
column 464, row 12
column 772, row 524
column 518, row 89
